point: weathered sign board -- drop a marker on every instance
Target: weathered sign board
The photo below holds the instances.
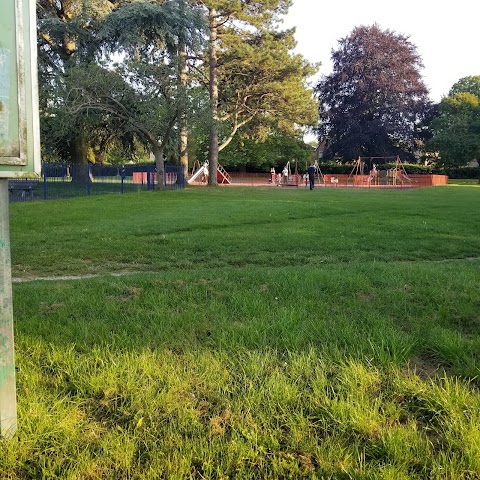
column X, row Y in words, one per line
column 19, row 157
column 19, row 121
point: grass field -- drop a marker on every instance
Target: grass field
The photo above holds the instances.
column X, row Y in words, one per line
column 248, row 333
column 463, row 181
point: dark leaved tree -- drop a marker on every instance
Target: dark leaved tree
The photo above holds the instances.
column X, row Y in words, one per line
column 375, row 100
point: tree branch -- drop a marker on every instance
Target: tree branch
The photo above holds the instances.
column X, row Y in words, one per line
column 236, row 126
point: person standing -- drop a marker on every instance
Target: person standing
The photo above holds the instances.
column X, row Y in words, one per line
column 205, row 173
column 311, row 176
column 272, row 175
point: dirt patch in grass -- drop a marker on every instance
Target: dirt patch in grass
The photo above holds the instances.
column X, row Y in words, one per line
column 426, row 367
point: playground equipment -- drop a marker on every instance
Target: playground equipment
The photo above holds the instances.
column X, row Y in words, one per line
column 286, row 178
column 398, row 174
column 200, row 177
column 394, row 176
column 318, row 173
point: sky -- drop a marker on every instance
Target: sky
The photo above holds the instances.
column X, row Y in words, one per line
column 446, row 34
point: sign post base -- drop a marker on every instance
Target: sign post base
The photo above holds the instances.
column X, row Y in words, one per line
column 8, row 399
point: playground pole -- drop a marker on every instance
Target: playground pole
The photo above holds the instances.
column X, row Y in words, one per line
column 8, row 400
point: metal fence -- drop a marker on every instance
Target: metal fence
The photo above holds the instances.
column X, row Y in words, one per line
column 67, row 180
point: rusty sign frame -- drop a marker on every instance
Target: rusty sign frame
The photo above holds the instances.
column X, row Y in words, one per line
column 23, row 157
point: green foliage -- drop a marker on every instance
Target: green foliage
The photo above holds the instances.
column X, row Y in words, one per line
column 91, row 104
column 66, row 38
column 456, row 130
column 262, row 84
column 346, row 168
column 138, row 27
column 275, row 151
column 469, row 84
column 459, row 172
column 257, row 13
column 253, row 78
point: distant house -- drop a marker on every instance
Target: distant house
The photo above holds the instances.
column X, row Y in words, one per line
column 317, row 152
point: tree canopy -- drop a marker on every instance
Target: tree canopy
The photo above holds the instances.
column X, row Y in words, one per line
column 375, row 99
column 118, row 73
column 456, row 129
column 262, row 85
column 119, row 103
column 470, row 84
column 248, row 59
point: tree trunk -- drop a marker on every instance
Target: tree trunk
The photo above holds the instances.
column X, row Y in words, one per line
column 79, row 149
column 213, row 90
column 160, row 166
column 183, row 124
column 78, row 157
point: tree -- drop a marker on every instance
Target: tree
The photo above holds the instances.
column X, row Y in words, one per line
column 375, row 99
column 123, row 108
column 276, row 150
column 140, row 96
column 156, row 36
column 262, row 86
column 469, row 84
column 236, row 27
column 65, row 39
column 255, row 84
column 456, row 129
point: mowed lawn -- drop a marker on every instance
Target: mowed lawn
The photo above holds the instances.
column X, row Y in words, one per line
column 248, row 333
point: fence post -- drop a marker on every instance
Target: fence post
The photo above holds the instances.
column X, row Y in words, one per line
column 148, row 178
column 88, row 179
column 44, row 180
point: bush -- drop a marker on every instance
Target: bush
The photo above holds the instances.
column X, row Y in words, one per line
column 459, row 172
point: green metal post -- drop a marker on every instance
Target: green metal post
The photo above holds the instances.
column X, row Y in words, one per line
column 8, row 399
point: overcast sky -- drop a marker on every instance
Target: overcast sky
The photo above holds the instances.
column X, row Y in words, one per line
column 446, row 34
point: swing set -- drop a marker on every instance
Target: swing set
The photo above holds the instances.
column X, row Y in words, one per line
column 394, row 176
column 288, row 179
column 319, row 178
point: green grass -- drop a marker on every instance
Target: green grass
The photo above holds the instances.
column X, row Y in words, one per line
column 265, row 333
column 58, row 188
column 463, row 181
column 201, row 228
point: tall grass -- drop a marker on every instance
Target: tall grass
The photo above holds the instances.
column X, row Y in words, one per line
column 334, row 339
